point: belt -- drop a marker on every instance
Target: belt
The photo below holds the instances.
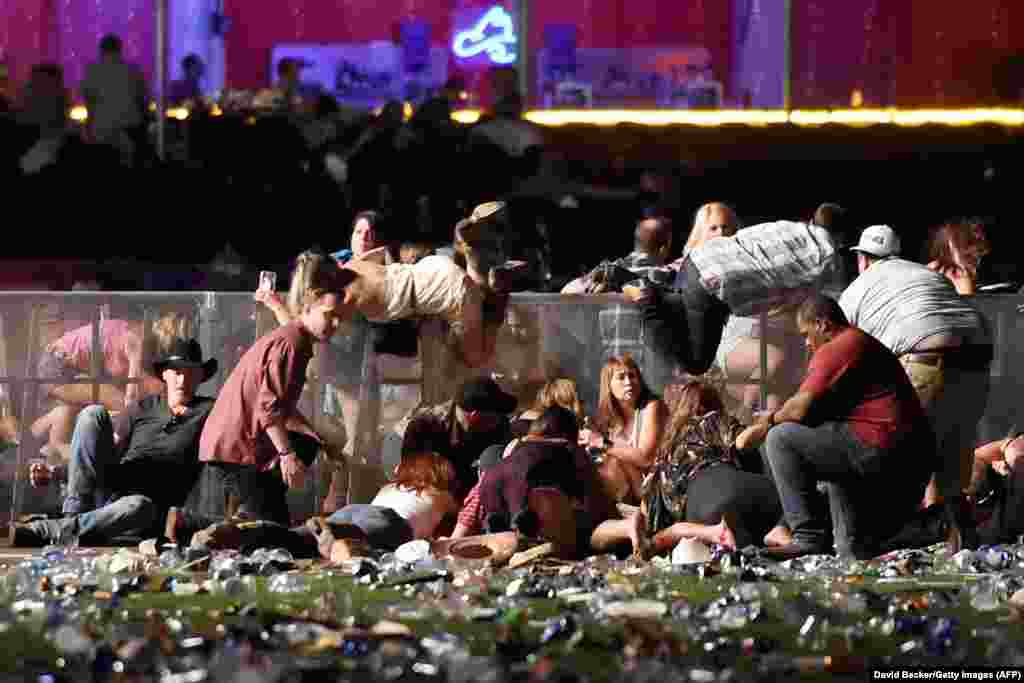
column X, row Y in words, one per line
column 933, row 358
column 968, row 357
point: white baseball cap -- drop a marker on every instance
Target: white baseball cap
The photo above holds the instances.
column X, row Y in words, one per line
column 879, row 240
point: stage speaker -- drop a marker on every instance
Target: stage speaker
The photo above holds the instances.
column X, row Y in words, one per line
column 415, row 40
column 560, row 42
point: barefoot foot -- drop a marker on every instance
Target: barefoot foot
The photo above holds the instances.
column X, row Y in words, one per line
column 778, row 536
column 723, row 533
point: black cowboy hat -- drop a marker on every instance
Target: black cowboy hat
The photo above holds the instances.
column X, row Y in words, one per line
column 185, row 353
column 483, row 393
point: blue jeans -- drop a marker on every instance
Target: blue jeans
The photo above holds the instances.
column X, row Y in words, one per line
column 133, row 515
column 860, row 478
column 93, row 459
column 93, row 507
column 383, row 527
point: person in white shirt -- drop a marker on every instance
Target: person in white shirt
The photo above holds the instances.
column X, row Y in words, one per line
column 116, row 97
column 943, row 342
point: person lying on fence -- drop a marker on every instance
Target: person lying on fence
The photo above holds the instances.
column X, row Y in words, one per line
column 739, row 350
column 472, row 299
column 411, row 506
column 628, row 427
column 123, row 477
column 762, row 268
column 698, row 487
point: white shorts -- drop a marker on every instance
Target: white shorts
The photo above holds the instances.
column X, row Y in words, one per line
column 435, row 286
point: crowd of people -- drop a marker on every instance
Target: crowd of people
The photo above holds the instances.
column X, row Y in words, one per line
column 761, row 386
column 882, row 396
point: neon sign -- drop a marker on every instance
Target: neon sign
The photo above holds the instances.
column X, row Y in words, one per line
column 493, row 35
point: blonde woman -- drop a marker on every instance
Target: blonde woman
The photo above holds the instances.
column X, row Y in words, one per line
column 436, row 286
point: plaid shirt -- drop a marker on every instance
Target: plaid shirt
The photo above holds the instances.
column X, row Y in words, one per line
column 471, row 515
column 621, row 328
column 765, row 266
column 639, row 262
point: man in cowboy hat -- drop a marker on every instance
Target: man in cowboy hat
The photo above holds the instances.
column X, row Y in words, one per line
column 122, row 476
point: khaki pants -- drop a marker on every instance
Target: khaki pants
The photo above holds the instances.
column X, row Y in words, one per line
column 954, row 400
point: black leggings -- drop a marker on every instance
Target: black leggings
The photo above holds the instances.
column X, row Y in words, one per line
column 750, row 497
column 685, row 325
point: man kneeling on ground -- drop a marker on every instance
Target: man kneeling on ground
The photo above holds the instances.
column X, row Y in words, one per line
column 855, row 423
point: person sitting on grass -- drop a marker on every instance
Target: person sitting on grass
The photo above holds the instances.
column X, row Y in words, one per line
column 122, row 476
column 698, row 487
column 411, row 506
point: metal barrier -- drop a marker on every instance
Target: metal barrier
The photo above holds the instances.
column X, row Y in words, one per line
column 354, row 396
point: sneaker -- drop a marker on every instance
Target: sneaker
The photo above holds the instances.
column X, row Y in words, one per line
column 477, row 228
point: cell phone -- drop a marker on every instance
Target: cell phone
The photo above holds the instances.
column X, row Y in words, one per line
column 268, row 280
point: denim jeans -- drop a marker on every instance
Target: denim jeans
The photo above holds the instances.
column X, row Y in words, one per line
column 859, row 477
column 133, row 515
column 93, row 459
column 383, row 527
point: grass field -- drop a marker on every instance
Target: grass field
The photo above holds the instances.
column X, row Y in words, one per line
column 713, row 622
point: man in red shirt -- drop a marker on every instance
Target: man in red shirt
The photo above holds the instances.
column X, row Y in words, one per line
column 856, row 423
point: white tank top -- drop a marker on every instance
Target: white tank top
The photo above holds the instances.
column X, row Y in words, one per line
column 423, row 511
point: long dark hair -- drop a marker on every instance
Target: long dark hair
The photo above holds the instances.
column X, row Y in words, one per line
column 696, row 398
column 965, row 235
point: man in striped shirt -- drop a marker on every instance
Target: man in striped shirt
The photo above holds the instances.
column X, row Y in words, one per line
column 759, row 269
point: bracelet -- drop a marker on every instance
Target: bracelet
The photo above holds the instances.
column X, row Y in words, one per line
column 290, row 451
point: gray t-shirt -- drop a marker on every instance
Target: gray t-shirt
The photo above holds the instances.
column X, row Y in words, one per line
column 902, row 303
column 115, row 94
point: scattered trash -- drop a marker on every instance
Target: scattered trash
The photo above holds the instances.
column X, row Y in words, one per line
column 391, row 616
